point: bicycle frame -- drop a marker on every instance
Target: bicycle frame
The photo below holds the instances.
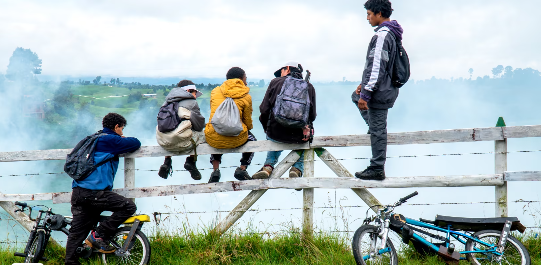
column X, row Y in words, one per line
column 460, row 237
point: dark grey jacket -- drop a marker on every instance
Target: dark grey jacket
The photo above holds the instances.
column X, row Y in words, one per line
column 187, row 100
column 376, row 82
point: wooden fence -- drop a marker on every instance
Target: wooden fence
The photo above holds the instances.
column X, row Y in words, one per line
column 309, row 182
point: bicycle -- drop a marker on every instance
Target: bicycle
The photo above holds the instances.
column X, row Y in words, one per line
column 132, row 245
column 485, row 240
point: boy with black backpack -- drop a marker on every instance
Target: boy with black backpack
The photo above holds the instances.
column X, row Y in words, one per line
column 386, row 70
column 92, row 193
column 287, row 113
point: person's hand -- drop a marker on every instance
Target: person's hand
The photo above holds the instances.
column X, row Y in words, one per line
column 362, row 104
column 358, row 90
column 306, row 133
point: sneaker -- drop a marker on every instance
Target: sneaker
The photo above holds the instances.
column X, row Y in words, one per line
column 215, row 176
column 166, row 169
column 99, row 244
column 242, row 174
column 371, row 173
column 295, row 173
column 263, row 173
column 192, row 168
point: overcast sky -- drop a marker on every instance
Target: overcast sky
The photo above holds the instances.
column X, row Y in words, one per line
column 204, row 38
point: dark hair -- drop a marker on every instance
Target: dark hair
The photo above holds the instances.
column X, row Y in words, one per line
column 235, row 72
column 112, row 119
column 185, row 83
column 377, row 6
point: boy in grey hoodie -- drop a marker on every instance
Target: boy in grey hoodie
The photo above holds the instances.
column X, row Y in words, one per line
column 188, row 133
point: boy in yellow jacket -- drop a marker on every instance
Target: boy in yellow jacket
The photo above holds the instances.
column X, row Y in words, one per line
column 234, row 87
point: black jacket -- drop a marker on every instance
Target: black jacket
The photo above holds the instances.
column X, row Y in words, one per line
column 273, row 129
column 376, row 84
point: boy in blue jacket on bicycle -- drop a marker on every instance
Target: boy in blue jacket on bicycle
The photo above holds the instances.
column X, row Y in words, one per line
column 93, row 195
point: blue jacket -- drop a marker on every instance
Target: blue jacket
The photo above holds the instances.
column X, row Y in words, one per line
column 110, row 145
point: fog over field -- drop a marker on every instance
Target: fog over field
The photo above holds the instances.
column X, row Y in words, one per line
column 149, row 48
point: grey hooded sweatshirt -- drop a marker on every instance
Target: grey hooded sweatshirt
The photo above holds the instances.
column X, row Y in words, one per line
column 187, row 100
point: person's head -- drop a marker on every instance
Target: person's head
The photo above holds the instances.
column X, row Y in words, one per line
column 115, row 122
column 236, row 72
column 189, row 86
column 290, row 67
column 378, row 11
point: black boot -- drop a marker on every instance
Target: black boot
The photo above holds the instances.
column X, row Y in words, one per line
column 192, row 168
column 371, row 173
column 166, row 169
column 215, row 176
column 242, row 174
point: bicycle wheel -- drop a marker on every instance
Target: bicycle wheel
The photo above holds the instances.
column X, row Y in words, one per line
column 138, row 252
column 514, row 252
column 36, row 248
column 362, row 240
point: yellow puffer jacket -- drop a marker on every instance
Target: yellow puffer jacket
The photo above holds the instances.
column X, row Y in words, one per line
column 235, row 89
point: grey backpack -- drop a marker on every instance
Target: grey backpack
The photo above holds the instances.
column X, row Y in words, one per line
column 292, row 105
column 80, row 162
column 226, row 119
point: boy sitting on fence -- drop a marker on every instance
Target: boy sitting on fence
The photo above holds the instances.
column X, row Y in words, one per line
column 230, row 121
column 180, row 126
column 92, row 195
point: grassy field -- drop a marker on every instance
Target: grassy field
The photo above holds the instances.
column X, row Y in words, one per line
column 255, row 248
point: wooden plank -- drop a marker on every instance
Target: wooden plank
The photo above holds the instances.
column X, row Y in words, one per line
column 500, row 166
column 129, row 173
column 255, row 194
column 342, row 172
column 522, row 176
column 421, row 137
column 300, row 183
column 308, row 195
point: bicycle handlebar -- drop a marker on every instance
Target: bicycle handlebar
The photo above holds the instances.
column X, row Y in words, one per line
column 403, row 200
column 22, row 204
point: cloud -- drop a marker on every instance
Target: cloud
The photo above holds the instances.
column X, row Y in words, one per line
column 205, row 38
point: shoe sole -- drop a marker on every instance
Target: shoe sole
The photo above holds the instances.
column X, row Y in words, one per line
column 261, row 175
column 242, row 177
column 97, row 249
column 195, row 174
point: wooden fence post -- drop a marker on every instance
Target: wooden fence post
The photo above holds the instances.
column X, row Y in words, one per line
column 500, row 155
column 129, row 173
column 308, row 195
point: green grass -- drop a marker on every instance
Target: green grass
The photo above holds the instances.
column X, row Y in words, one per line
column 255, row 248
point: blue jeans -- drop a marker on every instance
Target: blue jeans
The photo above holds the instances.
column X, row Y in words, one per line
column 272, row 158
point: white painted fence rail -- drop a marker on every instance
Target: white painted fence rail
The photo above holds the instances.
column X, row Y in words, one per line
column 345, row 181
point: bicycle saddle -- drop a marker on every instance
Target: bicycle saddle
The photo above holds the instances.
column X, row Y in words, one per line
column 141, row 218
column 478, row 224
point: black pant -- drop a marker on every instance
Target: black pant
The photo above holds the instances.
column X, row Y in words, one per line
column 376, row 119
column 86, row 207
column 246, row 159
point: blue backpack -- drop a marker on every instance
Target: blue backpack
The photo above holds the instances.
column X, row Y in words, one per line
column 292, row 106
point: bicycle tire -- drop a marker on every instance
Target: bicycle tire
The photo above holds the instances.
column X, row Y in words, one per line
column 36, row 248
column 361, row 249
column 139, row 252
column 513, row 249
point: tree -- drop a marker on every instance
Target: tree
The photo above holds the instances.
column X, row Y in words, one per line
column 63, row 101
column 470, row 72
column 117, row 81
column 23, row 65
column 112, row 81
column 261, row 83
column 96, row 80
column 496, row 71
column 508, row 73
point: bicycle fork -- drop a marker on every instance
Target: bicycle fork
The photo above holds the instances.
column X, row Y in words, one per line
column 376, row 249
column 128, row 243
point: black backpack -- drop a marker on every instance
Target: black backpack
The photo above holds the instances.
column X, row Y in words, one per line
column 168, row 118
column 80, row 162
column 401, row 67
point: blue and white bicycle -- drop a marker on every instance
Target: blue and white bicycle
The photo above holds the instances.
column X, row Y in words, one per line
column 485, row 240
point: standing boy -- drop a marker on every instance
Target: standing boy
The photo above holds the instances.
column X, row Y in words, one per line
column 376, row 94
